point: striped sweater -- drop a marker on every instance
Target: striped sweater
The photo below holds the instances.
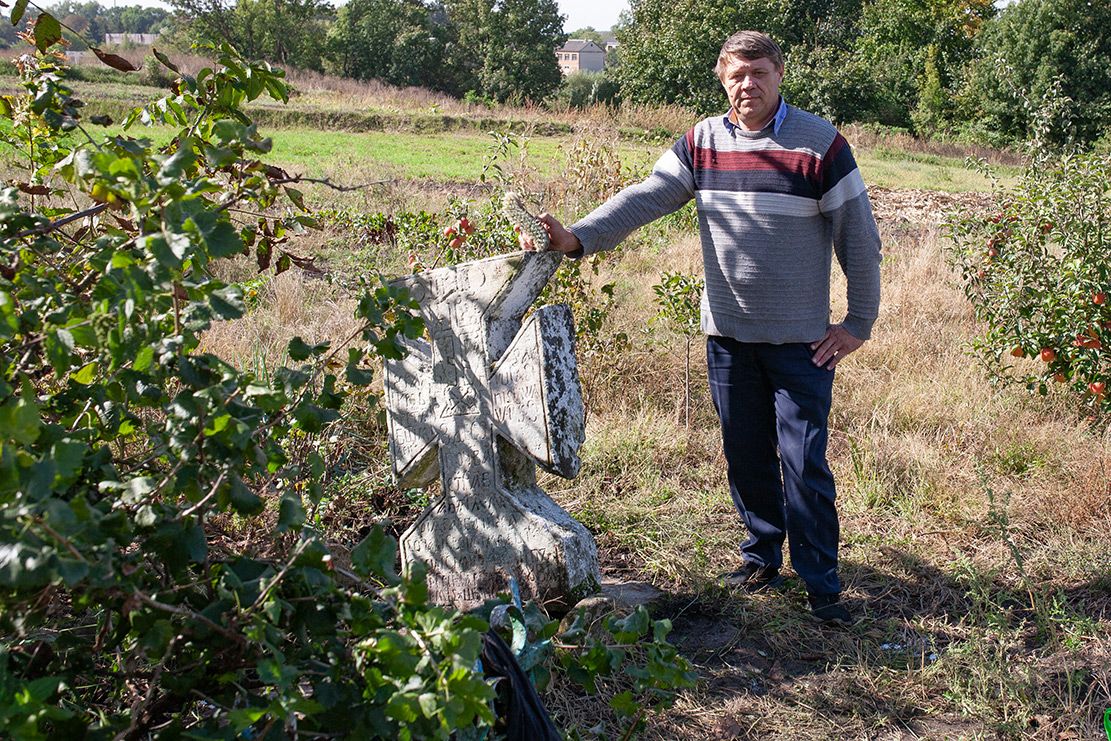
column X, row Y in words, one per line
column 773, row 207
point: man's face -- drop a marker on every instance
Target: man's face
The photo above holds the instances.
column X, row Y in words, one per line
column 753, row 89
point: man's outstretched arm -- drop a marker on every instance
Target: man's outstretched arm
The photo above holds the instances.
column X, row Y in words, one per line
column 665, row 190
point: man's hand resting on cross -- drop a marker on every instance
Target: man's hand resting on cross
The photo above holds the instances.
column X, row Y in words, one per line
column 562, row 239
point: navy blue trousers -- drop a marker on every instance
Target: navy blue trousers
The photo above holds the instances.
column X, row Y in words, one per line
column 774, row 408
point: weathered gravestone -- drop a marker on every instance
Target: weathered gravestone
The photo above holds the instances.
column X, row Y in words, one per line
column 485, row 400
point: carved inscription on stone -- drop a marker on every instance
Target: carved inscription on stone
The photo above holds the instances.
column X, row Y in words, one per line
column 479, row 404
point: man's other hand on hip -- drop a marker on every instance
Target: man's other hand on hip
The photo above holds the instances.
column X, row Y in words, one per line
column 831, row 349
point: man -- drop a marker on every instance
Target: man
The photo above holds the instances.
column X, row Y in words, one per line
column 778, row 193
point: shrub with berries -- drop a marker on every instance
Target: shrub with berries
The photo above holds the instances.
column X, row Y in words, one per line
column 1037, row 269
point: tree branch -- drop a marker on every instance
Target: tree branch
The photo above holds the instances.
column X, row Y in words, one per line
column 328, row 182
column 55, row 225
column 191, row 614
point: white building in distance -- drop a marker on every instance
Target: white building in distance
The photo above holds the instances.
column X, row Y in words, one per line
column 580, row 55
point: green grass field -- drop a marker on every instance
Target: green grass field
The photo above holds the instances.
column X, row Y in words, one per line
column 454, row 140
column 458, row 156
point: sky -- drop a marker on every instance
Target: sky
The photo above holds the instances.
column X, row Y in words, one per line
column 601, row 14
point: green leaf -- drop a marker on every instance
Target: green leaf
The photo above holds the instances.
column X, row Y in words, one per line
column 631, row 627
column 243, row 718
column 160, row 249
column 520, row 634
column 243, row 500
column 263, row 252
column 154, row 639
column 291, row 512
column 217, row 425
column 146, row 516
column 42, row 689
column 18, row 10
column 355, row 375
column 375, row 556
column 312, row 418
column 137, row 489
column 297, row 197
column 84, row 335
column 625, row 704
column 86, row 374
column 429, row 704
column 193, row 542
column 298, row 349
column 415, row 587
column 223, row 240
column 19, row 421
column 164, row 60
column 22, row 567
column 143, row 359
column 177, row 165
column 72, row 570
column 59, row 350
column 9, row 312
column 47, row 31
column 68, row 457
column 227, row 302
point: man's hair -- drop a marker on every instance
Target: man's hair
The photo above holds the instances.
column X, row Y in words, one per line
column 750, row 46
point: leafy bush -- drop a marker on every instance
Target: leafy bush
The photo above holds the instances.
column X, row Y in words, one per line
column 128, row 457
column 1037, row 269
column 583, row 89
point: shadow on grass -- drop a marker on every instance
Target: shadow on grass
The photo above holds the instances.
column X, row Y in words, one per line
column 927, row 652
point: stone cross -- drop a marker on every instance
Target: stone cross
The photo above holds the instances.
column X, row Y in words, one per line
column 478, row 405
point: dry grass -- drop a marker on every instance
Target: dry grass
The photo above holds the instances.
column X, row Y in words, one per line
column 872, row 138
column 981, row 614
column 291, row 304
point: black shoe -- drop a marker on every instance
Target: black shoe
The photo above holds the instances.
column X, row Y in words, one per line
column 828, row 609
column 752, row 578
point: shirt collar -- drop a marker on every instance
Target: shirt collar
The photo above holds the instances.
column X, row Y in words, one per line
column 777, row 120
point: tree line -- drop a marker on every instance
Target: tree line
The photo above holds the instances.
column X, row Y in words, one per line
column 954, row 68
column 501, row 50
column 949, row 67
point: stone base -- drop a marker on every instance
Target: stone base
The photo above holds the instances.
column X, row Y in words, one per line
column 473, row 545
column 629, row 595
